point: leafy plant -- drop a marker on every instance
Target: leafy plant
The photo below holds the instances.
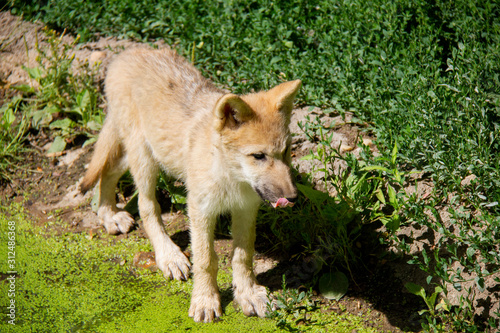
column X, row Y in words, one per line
column 430, row 301
column 290, row 305
column 176, row 190
column 12, row 131
column 64, row 102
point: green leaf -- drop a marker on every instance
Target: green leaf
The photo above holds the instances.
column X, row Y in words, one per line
column 359, row 183
column 8, row 117
column 316, row 197
column 178, row 198
column 470, row 252
column 394, row 223
column 89, row 141
column 58, row 145
column 94, row 125
column 65, row 124
column 383, row 55
column 95, row 201
column 333, row 285
column 397, row 175
column 82, row 101
column 392, row 196
column 443, row 304
column 431, row 300
column 85, row 99
column 280, row 304
column 44, row 117
column 275, row 60
column 394, row 154
column 375, row 167
column 380, row 196
column 132, row 205
column 449, row 87
column 24, row 88
column 34, row 73
column 307, row 157
column 425, row 256
column 39, row 118
column 480, row 283
column 415, row 289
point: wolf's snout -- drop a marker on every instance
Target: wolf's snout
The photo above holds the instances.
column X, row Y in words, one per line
column 292, row 193
column 278, row 197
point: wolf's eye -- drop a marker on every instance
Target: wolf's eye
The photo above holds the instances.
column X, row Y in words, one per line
column 259, row 156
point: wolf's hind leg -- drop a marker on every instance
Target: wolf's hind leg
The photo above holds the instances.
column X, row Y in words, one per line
column 114, row 220
column 169, row 257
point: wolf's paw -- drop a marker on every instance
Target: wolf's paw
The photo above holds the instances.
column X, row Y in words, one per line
column 253, row 301
column 205, row 308
column 120, row 222
column 174, row 265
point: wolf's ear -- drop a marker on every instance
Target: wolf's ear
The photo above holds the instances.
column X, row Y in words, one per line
column 230, row 111
column 284, row 94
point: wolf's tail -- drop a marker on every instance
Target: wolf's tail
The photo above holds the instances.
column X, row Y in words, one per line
column 108, row 151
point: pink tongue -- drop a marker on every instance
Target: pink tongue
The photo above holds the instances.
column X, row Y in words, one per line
column 282, row 202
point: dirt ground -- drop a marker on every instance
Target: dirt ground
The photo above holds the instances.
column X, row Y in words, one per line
column 50, row 183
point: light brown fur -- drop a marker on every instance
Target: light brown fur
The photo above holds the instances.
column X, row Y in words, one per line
column 231, row 151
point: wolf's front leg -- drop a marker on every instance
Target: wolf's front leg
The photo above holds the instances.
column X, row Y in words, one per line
column 205, row 300
column 169, row 257
column 251, row 296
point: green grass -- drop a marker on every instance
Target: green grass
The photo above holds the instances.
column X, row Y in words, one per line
column 425, row 76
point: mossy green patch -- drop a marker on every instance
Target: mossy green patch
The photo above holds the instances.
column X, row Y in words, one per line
column 166, row 312
column 76, row 283
column 70, row 282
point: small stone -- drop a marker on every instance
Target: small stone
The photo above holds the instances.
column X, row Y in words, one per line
column 467, row 180
column 368, row 142
column 345, row 148
column 97, row 56
column 145, row 260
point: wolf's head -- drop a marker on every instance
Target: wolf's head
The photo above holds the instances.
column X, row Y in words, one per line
column 256, row 139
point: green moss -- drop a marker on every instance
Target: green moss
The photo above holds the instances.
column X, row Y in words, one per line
column 165, row 312
column 74, row 282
